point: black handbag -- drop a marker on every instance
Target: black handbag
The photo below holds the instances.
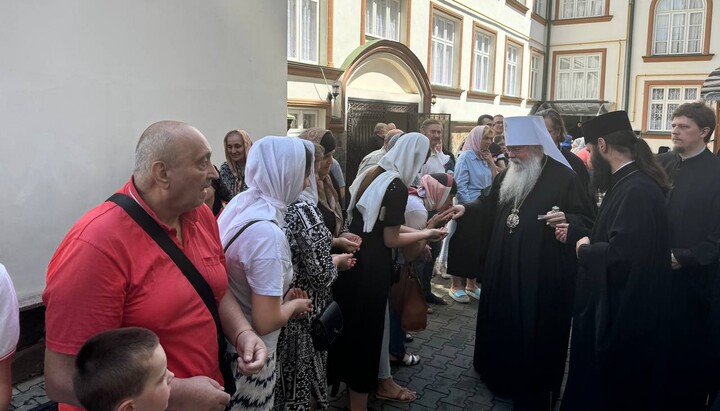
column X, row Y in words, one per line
column 326, row 327
column 153, row 229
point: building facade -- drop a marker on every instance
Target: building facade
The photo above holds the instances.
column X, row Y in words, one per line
column 354, row 63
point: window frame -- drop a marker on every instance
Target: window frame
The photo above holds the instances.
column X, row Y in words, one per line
column 704, row 55
column 325, row 37
column 404, row 21
column 521, row 61
column 559, row 20
column 457, row 19
column 541, row 76
column 665, row 84
column 492, row 57
column 299, row 32
column 321, row 109
column 603, row 69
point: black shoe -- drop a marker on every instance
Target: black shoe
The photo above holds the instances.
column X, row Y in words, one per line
column 434, row 299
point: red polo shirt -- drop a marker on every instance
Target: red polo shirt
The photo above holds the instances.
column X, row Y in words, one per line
column 108, row 273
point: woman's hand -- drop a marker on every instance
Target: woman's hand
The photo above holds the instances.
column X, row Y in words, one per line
column 344, row 262
column 438, row 220
column 487, row 156
column 352, row 237
column 436, row 234
column 297, row 299
column 346, row 244
column 252, row 352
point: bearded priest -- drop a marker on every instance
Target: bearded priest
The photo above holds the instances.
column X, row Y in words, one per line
column 528, row 277
column 622, row 297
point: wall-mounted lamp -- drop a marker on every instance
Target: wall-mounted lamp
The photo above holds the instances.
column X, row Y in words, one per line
column 433, row 99
column 335, row 92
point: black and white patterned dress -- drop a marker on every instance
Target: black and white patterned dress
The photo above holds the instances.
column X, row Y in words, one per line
column 227, row 177
column 301, row 371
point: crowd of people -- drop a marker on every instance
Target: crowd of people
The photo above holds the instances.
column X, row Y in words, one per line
column 271, row 240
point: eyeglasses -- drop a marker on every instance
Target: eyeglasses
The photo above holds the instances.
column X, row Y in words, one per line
column 515, row 149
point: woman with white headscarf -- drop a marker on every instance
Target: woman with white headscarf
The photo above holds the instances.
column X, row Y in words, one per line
column 258, row 258
column 301, row 369
column 377, row 206
column 474, row 172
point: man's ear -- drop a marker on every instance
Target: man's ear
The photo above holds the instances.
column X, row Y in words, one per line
column 159, row 173
column 127, row 404
column 602, row 145
column 705, row 131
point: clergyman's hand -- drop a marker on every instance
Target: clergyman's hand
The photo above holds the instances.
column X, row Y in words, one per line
column 454, row 212
column 561, row 231
column 553, row 218
column 674, row 262
column 581, row 242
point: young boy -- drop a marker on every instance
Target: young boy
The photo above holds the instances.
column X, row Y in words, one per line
column 122, row 370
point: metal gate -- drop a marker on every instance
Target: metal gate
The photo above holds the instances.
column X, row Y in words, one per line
column 362, row 116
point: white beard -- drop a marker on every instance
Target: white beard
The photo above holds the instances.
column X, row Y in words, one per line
column 520, row 179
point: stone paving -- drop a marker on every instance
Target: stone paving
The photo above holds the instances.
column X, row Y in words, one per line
column 444, row 379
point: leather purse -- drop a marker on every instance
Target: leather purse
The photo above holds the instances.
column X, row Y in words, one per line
column 408, row 300
column 326, row 327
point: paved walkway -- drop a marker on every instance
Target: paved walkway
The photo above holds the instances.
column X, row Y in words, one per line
column 444, row 379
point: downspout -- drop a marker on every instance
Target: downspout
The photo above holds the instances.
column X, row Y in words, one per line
column 628, row 53
column 546, row 60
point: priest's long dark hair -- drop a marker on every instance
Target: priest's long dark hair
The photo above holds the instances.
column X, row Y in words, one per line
column 638, row 149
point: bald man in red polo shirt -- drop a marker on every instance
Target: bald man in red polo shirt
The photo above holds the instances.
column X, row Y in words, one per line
column 108, row 273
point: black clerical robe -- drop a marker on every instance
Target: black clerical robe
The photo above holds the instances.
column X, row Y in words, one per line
column 578, row 167
column 694, row 214
column 620, row 300
column 527, row 288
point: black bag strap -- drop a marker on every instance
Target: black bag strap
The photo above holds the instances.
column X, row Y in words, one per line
column 240, row 232
column 157, row 233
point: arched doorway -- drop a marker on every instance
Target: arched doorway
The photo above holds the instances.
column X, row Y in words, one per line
column 383, row 82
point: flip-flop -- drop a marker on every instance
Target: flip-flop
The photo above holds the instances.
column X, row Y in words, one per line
column 459, row 296
column 403, row 395
column 474, row 294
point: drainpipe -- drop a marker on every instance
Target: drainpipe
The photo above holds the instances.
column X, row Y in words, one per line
column 628, row 52
column 546, row 60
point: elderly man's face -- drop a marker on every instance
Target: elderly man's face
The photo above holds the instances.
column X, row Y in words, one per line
column 434, row 133
column 555, row 134
column 192, row 171
column 519, row 154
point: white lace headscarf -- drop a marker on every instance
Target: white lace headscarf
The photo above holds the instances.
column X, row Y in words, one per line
column 274, row 172
column 403, row 161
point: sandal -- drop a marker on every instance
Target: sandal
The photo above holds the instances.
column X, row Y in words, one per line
column 408, row 360
column 402, row 395
column 459, row 296
column 474, row 294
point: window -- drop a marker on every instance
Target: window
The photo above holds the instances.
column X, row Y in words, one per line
column 663, row 101
column 483, row 61
column 539, row 7
column 577, row 9
column 513, row 69
column 304, row 118
column 444, row 33
column 383, row 19
column 678, row 27
column 536, row 78
column 578, row 77
column 303, row 30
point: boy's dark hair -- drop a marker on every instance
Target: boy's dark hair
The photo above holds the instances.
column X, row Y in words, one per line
column 113, row 366
column 483, row 117
column 698, row 112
